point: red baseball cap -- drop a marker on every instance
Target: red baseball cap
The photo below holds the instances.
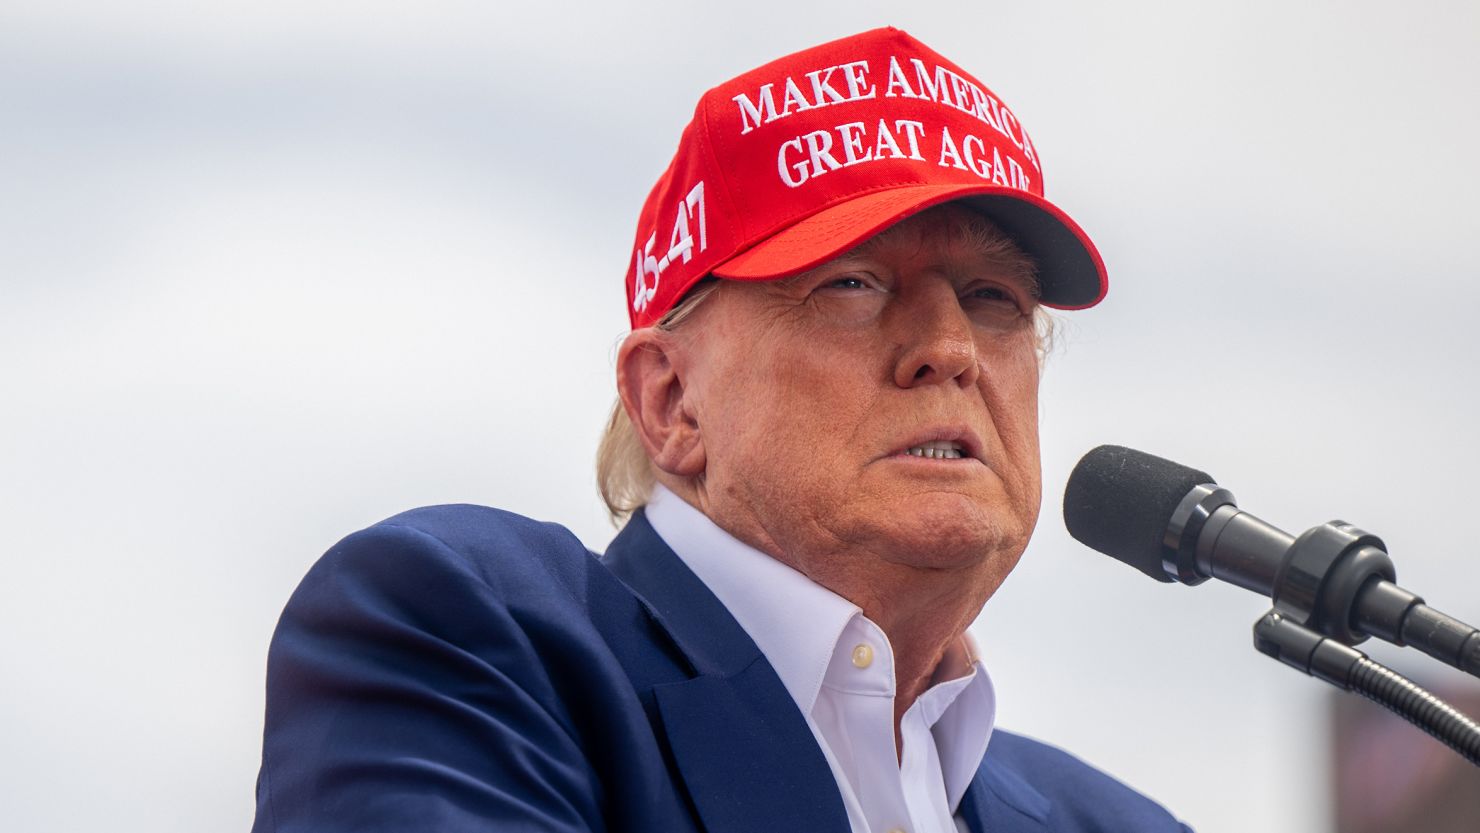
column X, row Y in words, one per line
column 800, row 160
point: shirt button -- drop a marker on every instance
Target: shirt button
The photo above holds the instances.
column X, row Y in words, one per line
column 863, row 657
column 897, row 830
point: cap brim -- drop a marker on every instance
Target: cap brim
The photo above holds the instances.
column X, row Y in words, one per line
column 1071, row 274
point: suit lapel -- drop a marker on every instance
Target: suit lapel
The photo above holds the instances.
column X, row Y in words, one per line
column 1000, row 801
column 747, row 757
column 743, row 748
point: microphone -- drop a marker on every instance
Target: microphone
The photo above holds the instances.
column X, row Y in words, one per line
column 1175, row 524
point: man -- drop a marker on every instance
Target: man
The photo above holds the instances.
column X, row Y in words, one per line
column 827, row 445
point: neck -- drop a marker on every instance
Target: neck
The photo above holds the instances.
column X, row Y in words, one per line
column 924, row 614
column 925, row 618
column 923, row 610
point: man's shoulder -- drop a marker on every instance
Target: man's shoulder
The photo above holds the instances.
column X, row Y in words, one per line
column 482, row 530
column 1075, row 795
column 457, row 667
column 500, row 549
column 486, row 583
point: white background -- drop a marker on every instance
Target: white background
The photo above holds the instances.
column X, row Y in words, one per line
column 269, row 273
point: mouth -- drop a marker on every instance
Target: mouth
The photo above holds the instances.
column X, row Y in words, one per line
column 943, row 444
column 937, row 450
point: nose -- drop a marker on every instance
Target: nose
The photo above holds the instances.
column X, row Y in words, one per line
column 937, row 342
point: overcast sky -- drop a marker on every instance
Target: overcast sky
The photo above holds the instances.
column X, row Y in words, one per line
column 272, row 272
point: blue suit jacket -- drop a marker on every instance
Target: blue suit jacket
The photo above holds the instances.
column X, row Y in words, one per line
column 459, row 668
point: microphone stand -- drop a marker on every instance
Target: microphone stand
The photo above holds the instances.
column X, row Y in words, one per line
column 1350, row 670
column 1310, row 628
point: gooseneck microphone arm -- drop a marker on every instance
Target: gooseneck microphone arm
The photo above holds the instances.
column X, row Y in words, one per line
column 1350, row 670
column 1332, row 586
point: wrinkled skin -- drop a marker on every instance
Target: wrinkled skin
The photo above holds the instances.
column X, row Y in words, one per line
column 782, row 409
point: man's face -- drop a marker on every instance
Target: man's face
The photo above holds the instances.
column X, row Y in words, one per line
column 816, row 397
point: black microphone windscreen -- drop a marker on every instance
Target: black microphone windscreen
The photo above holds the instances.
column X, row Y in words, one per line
column 1120, row 502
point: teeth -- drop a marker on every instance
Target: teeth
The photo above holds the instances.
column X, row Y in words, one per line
column 937, row 450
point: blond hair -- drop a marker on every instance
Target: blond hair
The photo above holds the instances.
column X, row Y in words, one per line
column 625, row 475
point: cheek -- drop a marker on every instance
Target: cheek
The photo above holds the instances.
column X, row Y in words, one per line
column 782, row 418
column 1011, row 390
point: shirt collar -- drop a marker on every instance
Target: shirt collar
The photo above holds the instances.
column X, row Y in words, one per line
column 794, row 621
column 961, row 716
column 800, row 626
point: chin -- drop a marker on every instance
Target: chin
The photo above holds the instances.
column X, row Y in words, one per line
column 947, row 531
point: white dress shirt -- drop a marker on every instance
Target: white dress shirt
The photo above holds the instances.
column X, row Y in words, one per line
column 839, row 668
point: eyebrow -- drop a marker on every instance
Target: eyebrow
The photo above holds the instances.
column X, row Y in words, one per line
column 1021, row 268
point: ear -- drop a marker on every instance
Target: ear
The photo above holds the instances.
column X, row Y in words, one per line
column 652, row 391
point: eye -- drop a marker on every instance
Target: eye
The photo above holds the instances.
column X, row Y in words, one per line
column 996, row 306
column 847, row 296
column 992, row 293
column 851, row 281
